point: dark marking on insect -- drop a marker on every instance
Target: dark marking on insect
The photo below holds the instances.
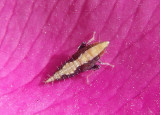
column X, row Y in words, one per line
column 84, row 59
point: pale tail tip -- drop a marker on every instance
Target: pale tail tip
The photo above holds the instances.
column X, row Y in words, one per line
column 105, row 44
column 51, row 79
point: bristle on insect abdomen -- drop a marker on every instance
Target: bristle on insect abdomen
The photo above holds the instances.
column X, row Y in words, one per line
column 70, row 67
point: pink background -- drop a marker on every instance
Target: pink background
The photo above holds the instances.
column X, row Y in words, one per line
column 37, row 35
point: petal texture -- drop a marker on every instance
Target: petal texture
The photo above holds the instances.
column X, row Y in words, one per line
column 37, row 35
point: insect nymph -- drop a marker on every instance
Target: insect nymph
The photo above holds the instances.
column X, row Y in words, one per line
column 84, row 59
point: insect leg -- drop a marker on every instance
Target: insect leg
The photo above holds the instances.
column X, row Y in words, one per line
column 107, row 64
column 87, row 78
column 95, row 67
column 83, row 44
column 92, row 39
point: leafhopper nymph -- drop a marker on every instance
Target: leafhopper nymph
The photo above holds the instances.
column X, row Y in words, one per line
column 84, row 59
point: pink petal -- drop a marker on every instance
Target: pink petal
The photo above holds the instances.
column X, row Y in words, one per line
column 36, row 36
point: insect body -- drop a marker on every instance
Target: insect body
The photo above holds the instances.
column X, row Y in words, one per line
column 84, row 59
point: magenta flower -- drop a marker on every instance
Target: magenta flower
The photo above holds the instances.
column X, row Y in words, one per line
column 36, row 36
